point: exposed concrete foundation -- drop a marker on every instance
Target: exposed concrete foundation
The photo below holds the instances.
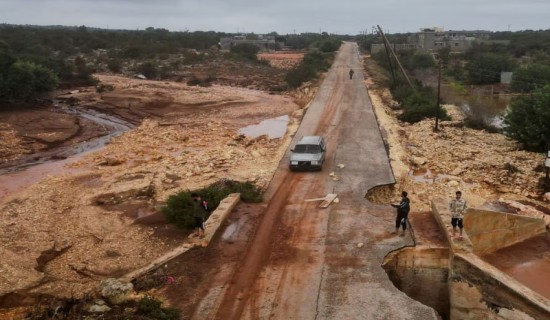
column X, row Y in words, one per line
column 490, row 231
column 477, row 290
column 480, row 291
column 422, row 273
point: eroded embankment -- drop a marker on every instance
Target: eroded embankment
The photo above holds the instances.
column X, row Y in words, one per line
column 422, row 273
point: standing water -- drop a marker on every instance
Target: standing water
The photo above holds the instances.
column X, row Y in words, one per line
column 38, row 166
column 274, row 128
column 481, row 104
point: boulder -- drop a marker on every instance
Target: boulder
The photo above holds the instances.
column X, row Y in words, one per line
column 99, row 306
column 547, row 196
column 116, row 291
column 418, row 161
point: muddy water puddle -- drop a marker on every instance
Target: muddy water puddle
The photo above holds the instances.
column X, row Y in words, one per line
column 426, row 175
column 274, row 128
column 15, row 182
column 528, row 262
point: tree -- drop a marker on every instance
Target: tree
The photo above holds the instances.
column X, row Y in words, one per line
column 148, row 69
column 330, row 45
column 246, row 50
column 530, row 78
column 528, row 120
column 486, row 67
column 26, row 80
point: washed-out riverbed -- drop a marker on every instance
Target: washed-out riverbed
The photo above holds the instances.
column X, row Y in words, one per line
column 31, row 169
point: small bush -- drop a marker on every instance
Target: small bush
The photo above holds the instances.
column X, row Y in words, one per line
column 202, row 81
column 179, row 207
column 511, row 168
column 416, row 113
column 308, row 69
column 153, row 309
column 299, row 74
column 246, row 51
column 104, row 87
column 418, row 103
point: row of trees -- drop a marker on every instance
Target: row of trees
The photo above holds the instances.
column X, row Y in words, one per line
column 48, row 56
column 528, row 118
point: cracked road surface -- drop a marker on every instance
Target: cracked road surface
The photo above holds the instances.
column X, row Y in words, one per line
column 302, row 262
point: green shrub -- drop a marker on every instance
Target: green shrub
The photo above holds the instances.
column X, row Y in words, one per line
column 330, row 45
column 486, row 67
column 114, row 65
column 148, row 69
column 418, row 103
column 245, row 50
column 152, row 308
column 299, row 74
column 416, row 113
column 26, row 80
column 179, row 208
column 530, row 78
column 528, row 120
column 308, row 69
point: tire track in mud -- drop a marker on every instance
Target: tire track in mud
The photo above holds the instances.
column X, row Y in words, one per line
column 240, row 295
column 236, row 296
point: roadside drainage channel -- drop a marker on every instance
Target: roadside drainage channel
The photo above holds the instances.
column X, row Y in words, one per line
column 212, row 225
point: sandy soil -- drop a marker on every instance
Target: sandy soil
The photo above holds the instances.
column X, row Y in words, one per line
column 68, row 232
column 282, row 60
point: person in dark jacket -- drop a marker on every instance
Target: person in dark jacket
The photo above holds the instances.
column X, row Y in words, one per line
column 403, row 209
column 200, row 214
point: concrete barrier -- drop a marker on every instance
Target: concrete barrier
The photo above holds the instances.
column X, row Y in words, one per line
column 478, row 290
column 490, row 231
column 211, row 227
column 442, row 214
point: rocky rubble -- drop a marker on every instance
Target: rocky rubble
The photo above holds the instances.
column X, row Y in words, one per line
column 11, row 144
column 82, row 228
column 428, row 164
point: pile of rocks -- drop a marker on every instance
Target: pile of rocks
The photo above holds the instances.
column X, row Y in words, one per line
column 11, row 145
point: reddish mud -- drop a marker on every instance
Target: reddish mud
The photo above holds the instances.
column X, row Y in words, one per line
column 528, row 262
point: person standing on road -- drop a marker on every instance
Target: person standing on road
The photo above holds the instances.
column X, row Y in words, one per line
column 199, row 213
column 403, row 209
column 351, row 72
column 458, row 208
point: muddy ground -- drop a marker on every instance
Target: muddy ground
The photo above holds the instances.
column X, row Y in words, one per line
column 68, row 232
column 65, row 234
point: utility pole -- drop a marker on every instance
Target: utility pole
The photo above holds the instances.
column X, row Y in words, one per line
column 386, row 42
column 438, row 97
column 390, row 63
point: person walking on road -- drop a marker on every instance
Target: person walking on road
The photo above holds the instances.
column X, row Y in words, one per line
column 458, row 207
column 403, row 209
column 199, row 213
column 351, row 72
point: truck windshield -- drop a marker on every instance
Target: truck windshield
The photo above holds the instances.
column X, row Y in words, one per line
column 307, row 148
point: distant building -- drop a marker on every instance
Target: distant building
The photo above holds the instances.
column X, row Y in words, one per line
column 506, row 77
column 264, row 43
column 433, row 39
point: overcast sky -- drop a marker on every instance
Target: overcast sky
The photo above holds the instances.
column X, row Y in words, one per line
column 282, row 16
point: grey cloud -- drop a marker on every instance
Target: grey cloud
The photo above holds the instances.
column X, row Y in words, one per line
column 284, row 16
